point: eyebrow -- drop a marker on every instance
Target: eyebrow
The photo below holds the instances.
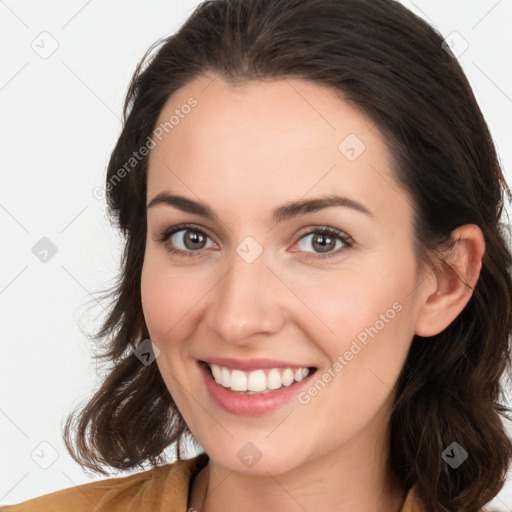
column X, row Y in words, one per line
column 284, row 212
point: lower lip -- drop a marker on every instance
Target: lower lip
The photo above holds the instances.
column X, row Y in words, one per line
column 250, row 405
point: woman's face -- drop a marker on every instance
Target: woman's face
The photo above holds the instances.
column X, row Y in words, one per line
column 261, row 289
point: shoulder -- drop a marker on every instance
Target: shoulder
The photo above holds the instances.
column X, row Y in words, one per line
column 413, row 503
column 164, row 487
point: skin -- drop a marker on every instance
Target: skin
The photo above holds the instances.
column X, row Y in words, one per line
column 246, row 150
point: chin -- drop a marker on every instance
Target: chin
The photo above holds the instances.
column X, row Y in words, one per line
column 253, row 459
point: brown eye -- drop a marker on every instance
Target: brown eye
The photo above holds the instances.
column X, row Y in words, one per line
column 184, row 240
column 192, row 239
column 325, row 241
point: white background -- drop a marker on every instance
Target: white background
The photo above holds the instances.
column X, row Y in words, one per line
column 60, row 118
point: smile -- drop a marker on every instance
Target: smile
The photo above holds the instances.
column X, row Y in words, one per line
column 253, row 392
column 257, row 381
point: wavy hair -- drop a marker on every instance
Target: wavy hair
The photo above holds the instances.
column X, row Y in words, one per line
column 394, row 67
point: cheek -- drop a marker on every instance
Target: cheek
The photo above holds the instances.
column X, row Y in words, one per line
column 165, row 297
column 367, row 342
column 155, row 300
column 359, row 307
column 346, row 302
column 172, row 298
column 166, row 300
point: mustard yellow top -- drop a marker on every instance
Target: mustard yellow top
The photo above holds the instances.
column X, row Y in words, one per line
column 162, row 489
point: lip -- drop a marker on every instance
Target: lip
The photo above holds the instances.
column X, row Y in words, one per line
column 241, row 404
column 252, row 364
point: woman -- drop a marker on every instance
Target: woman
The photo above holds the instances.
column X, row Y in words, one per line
column 315, row 285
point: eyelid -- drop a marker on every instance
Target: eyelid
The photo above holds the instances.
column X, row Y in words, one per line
column 347, row 241
column 166, row 233
column 339, row 234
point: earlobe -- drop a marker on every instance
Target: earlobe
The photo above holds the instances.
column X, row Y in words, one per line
column 450, row 288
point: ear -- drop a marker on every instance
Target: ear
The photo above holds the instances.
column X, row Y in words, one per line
column 449, row 289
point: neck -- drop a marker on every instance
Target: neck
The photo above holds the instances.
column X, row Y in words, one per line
column 330, row 482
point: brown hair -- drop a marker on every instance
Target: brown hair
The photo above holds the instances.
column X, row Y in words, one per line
column 390, row 63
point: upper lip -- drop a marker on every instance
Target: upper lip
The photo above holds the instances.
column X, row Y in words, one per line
column 252, row 364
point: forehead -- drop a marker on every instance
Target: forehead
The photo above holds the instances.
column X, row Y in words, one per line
column 291, row 116
column 284, row 139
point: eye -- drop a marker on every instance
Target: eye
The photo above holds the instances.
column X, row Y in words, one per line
column 189, row 240
column 325, row 240
column 186, row 240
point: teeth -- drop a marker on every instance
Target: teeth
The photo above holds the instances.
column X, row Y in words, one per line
column 225, row 379
column 274, row 379
column 287, row 377
column 217, row 373
column 257, row 381
column 238, row 381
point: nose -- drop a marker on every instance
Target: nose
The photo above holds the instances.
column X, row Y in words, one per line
column 246, row 303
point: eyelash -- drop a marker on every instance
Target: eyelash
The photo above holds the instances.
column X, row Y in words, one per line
column 335, row 233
